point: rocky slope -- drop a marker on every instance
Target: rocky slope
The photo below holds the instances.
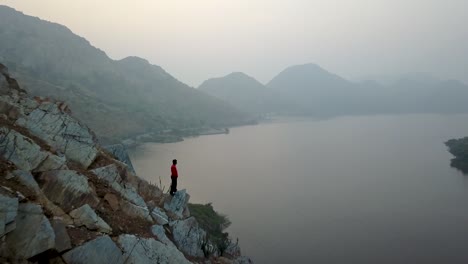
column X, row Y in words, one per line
column 64, row 199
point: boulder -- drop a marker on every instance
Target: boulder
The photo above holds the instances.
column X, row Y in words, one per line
column 119, row 151
column 97, row 251
column 26, row 179
column 52, row 162
column 20, row 150
column 62, row 239
column 160, row 233
column 8, row 212
column 148, row 251
column 68, row 189
column 176, row 206
column 62, row 132
column 33, row 233
column 85, row 216
column 111, row 175
column 160, row 216
column 188, row 237
column 135, row 211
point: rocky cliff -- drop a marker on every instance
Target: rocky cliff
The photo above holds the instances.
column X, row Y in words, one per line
column 64, row 199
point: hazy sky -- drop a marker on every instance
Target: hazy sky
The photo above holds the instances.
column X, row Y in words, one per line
column 198, row 39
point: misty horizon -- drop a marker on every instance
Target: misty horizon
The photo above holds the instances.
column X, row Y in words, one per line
column 424, row 36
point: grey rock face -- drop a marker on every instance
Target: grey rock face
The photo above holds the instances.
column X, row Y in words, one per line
column 188, row 236
column 8, row 211
column 61, row 131
column 33, row 234
column 52, row 162
column 68, row 189
column 20, row 150
column 176, row 206
column 85, row 216
column 159, row 216
column 62, row 240
column 135, row 210
column 158, row 231
column 111, row 174
column 120, row 153
column 26, row 179
column 98, row 251
column 149, row 251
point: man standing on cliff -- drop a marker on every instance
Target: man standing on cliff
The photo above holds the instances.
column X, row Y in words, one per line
column 174, row 176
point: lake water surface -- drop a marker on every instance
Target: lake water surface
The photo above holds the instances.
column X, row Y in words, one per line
column 375, row 189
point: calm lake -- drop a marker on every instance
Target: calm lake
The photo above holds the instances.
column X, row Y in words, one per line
column 371, row 189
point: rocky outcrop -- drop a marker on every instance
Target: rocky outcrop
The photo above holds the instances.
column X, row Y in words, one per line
column 64, row 200
column 61, row 131
column 188, row 237
column 8, row 211
column 148, row 251
column 176, row 206
column 160, row 216
column 119, row 151
column 85, row 216
column 25, row 154
column 32, row 235
column 68, row 189
column 159, row 232
column 97, row 251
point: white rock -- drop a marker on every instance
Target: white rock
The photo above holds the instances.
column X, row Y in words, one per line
column 85, row 216
column 98, row 251
column 188, row 236
column 148, row 251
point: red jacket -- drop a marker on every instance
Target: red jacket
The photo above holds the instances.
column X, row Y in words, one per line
column 174, row 171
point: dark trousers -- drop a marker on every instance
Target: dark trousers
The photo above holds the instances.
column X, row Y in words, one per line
column 173, row 185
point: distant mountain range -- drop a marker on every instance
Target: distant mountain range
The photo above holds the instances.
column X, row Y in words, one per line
column 310, row 90
column 130, row 97
column 117, row 99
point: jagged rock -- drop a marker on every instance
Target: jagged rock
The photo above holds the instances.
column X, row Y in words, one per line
column 111, row 175
column 85, row 216
column 148, row 251
column 176, row 206
column 33, row 233
column 97, row 251
column 20, row 150
column 112, row 200
column 120, row 153
column 160, row 233
column 159, row 216
column 62, row 240
column 68, row 189
column 62, row 132
column 135, row 210
column 188, row 236
column 26, row 179
column 8, row 212
column 25, row 154
column 149, row 192
column 52, row 162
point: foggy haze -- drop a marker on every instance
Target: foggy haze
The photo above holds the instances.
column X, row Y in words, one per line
column 197, row 40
